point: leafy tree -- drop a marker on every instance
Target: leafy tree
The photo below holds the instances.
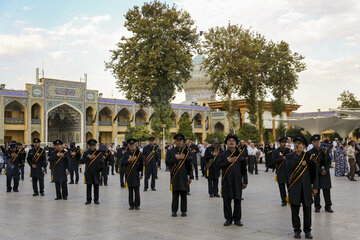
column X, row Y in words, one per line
column 249, row 131
column 217, row 135
column 140, row 133
column 356, row 133
column 335, row 135
column 161, row 119
column 185, row 127
column 243, row 63
column 156, row 60
column 348, row 100
column 307, row 135
column 292, row 132
column 271, row 138
column 280, row 130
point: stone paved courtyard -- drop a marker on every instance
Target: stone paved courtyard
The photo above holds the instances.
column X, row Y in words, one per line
column 23, row 216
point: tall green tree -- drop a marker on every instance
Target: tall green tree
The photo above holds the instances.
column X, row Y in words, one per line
column 156, row 60
column 249, row 131
column 280, row 130
column 185, row 127
column 161, row 119
column 348, row 100
column 216, row 135
column 242, row 63
column 140, row 133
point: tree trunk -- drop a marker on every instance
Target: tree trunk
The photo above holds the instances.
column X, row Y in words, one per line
column 230, row 110
column 257, row 110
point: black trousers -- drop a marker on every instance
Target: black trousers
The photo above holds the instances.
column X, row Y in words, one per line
column 252, row 164
column 35, row 185
column 203, row 166
column 296, row 219
column 213, row 186
column 76, row 171
column 196, row 168
column 61, row 189
column 112, row 167
column 122, row 177
column 175, row 201
column 282, row 192
column 8, row 182
column 22, row 172
column 104, row 175
column 326, row 194
column 228, row 213
column 88, row 192
column 134, row 202
column 150, row 171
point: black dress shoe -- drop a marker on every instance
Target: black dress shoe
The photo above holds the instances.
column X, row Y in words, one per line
column 88, row 202
column 36, row 194
column 65, row 198
column 297, row 235
column 57, row 198
column 153, row 189
column 183, row 214
column 227, row 223
column 76, row 182
column 137, row 208
column 188, row 193
column 308, row 235
column 317, row 209
column 122, row 186
column 283, row 204
column 96, row 202
column 217, row 195
column 329, row 210
column 8, row 190
column 145, row 189
column 42, row 194
column 15, row 190
column 211, row 196
column 71, row 182
column 131, row 208
column 105, row 184
column 238, row 223
column 174, row 214
column 197, row 178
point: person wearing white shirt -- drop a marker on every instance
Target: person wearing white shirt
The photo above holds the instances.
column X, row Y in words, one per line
column 202, row 149
column 252, row 161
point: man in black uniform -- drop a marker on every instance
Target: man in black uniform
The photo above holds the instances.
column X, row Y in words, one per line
column 37, row 162
column 151, row 158
column 93, row 160
column 212, row 158
column 75, row 156
column 120, row 167
column 133, row 162
column 181, row 174
column 59, row 160
column 193, row 155
column 278, row 159
column 22, row 155
column 302, row 184
column 106, row 164
column 13, row 166
column 234, row 178
column 323, row 161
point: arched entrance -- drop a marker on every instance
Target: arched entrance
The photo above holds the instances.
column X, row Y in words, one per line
column 64, row 122
column 219, row 127
column 14, row 118
column 35, row 134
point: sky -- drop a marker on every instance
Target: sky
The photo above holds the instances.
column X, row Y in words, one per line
column 69, row 38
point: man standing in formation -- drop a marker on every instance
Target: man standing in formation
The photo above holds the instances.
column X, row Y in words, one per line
column 212, row 158
column 93, row 160
column 133, row 161
column 193, row 155
column 22, row 155
column 106, row 160
column 234, row 179
column 303, row 184
column 37, row 162
column 151, row 159
column 323, row 161
column 121, row 169
column 278, row 159
column 13, row 167
column 75, row 156
column 60, row 169
column 181, row 174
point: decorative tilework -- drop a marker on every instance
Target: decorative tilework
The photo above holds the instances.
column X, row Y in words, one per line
column 51, row 104
column 10, row 99
column 101, row 106
column 64, row 90
column 37, row 91
column 13, row 93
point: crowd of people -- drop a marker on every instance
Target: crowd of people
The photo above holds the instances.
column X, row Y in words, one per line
column 302, row 169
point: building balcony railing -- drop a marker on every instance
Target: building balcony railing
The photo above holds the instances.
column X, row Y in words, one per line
column 140, row 124
column 89, row 123
column 14, row 121
column 123, row 124
column 35, row 121
column 105, row 123
column 197, row 126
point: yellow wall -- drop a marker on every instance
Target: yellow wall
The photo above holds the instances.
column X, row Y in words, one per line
column 16, row 135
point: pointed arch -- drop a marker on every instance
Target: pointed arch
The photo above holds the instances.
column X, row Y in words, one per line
column 219, row 127
column 140, row 117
